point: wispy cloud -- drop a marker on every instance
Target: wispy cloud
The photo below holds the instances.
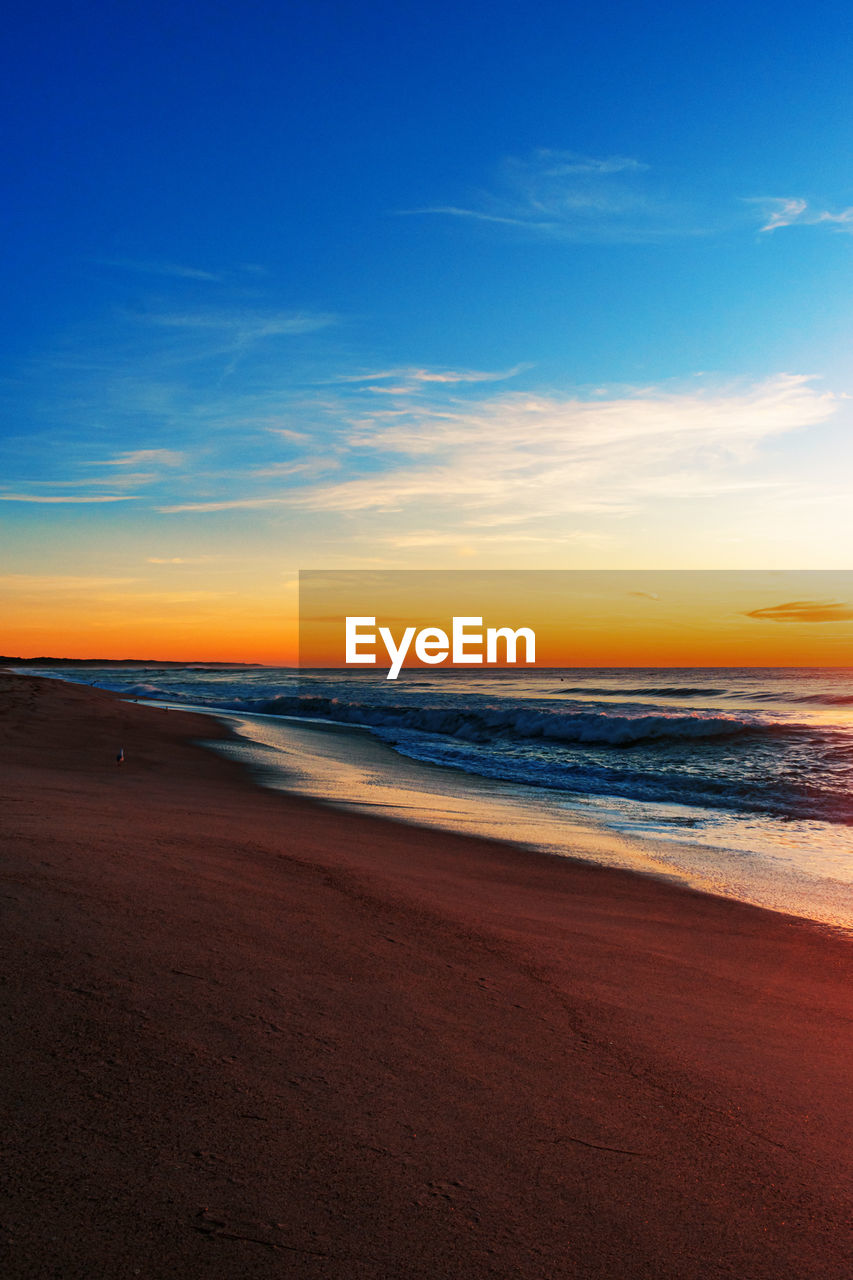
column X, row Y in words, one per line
column 456, row 538
column 804, row 611
column 510, row 467
column 306, row 467
column 172, row 269
column 226, row 504
column 243, row 325
column 562, row 195
column 408, row 378
column 58, row 582
column 792, row 211
column 144, row 458
column 287, row 433
column 116, row 480
column 69, row 497
column 537, row 455
column 227, row 336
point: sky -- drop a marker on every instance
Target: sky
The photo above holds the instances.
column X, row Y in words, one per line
column 370, row 620
column 352, row 286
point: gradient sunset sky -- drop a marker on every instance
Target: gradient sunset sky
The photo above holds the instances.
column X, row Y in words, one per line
column 336, row 285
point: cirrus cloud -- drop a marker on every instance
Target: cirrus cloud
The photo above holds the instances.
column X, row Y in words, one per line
column 561, row 195
column 793, row 211
column 524, row 453
column 55, row 498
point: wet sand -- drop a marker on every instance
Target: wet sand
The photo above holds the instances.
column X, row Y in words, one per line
column 245, row 1035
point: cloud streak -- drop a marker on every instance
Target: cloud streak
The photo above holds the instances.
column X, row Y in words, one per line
column 146, row 458
column 173, row 270
column 244, row 326
column 561, row 195
column 51, row 498
column 516, row 459
column 542, row 466
column 411, row 377
column 40, row 582
column 792, row 211
column 804, row 611
column 225, row 504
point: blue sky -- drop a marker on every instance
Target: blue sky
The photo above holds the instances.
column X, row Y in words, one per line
column 317, row 285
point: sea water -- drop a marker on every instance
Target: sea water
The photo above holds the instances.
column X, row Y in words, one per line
column 737, row 780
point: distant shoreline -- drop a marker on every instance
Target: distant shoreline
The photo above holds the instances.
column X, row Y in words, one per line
column 7, row 662
column 118, row 662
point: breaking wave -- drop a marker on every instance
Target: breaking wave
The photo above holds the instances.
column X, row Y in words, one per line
column 488, row 724
column 779, row 749
column 650, row 691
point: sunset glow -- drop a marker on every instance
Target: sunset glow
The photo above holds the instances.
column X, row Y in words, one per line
column 265, row 318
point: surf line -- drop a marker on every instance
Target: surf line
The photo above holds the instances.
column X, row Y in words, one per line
column 432, row 645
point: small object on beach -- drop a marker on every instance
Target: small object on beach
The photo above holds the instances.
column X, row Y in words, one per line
column 120, row 756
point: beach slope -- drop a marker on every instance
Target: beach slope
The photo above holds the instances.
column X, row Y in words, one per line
column 245, row 1035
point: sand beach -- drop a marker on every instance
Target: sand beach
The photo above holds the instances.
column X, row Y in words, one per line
column 248, row 1035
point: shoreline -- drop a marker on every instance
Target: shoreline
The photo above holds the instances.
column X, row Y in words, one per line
column 792, row 865
column 256, row 1035
column 378, row 781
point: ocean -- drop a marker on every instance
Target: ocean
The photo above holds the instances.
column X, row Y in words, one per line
column 735, row 780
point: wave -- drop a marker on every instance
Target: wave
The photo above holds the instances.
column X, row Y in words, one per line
column 485, row 725
column 455, row 737
column 489, row 723
column 777, row 695
column 827, row 699
column 651, row 691
column 775, row 797
column 568, row 724
column 745, row 761
column 695, row 691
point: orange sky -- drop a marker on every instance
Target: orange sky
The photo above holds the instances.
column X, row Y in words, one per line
column 584, row 618
column 600, row 619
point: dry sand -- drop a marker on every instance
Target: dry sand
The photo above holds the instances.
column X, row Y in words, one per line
column 245, row 1035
